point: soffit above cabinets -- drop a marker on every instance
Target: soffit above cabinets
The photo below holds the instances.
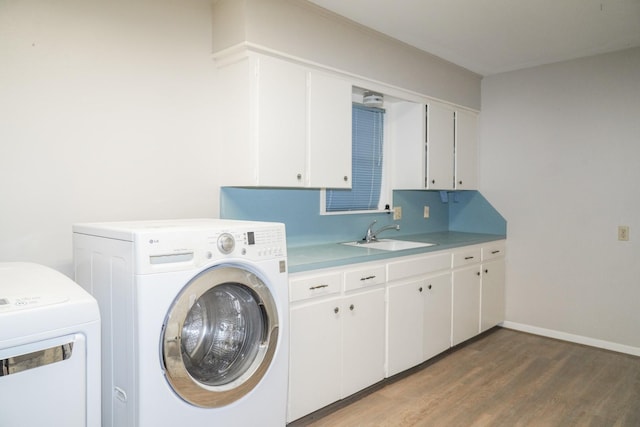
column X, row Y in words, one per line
column 490, row 37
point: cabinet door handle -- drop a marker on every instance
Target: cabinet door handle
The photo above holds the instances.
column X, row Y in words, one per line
column 429, row 287
column 420, row 289
column 460, row 182
column 346, row 178
column 362, row 279
column 495, row 252
column 299, row 176
column 318, row 287
column 486, row 270
column 478, row 273
column 336, row 310
column 351, row 307
column 469, row 257
column 433, row 181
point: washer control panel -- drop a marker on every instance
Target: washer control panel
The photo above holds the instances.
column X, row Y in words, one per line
column 255, row 244
column 165, row 251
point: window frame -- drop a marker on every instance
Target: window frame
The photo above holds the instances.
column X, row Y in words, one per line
column 386, row 193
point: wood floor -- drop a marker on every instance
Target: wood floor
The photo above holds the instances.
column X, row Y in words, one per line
column 505, row 378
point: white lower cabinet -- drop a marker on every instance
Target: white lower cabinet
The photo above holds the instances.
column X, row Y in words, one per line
column 404, row 323
column 337, row 340
column 478, row 289
column 465, row 318
column 492, row 305
column 436, row 336
column 350, row 327
column 418, row 321
column 418, row 309
column 315, row 366
column 363, row 333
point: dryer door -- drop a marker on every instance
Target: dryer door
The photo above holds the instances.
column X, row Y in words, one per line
column 219, row 336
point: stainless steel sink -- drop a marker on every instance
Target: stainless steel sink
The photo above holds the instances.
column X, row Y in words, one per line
column 390, row 244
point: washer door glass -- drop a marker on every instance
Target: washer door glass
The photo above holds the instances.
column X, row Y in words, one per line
column 222, row 334
column 219, row 336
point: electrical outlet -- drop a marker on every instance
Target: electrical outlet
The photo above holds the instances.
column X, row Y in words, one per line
column 426, row 212
column 397, row 213
column 623, row 232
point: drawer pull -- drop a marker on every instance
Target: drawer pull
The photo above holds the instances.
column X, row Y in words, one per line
column 318, row 287
column 468, row 257
column 336, row 310
column 362, row 279
column 351, row 307
column 495, row 252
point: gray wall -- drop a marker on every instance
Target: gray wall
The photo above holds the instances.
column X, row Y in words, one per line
column 106, row 113
column 559, row 158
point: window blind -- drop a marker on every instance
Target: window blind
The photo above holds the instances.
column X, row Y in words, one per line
column 367, row 130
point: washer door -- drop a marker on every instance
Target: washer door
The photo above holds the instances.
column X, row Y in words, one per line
column 219, row 336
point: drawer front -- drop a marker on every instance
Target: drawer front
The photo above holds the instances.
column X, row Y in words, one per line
column 419, row 266
column 363, row 277
column 314, row 286
column 493, row 250
column 470, row 255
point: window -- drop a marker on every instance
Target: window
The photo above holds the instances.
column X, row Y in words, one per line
column 367, row 164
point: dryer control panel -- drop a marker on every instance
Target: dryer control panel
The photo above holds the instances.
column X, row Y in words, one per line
column 21, row 302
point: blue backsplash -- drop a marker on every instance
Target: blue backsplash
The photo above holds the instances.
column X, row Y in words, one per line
column 299, row 209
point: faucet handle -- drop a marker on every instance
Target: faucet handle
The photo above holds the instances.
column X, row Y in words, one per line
column 369, row 235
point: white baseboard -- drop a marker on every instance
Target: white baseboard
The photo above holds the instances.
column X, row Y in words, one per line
column 578, row 339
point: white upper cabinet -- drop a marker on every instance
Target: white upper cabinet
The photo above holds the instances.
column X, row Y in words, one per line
column 280, row 123
column 408, row 129
column 434, row 146
column 466, row 145
column 440, row 141
column 284, row 125
column 329, row 131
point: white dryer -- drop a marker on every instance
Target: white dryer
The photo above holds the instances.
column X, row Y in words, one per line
column 195, row 320
column 49, row 349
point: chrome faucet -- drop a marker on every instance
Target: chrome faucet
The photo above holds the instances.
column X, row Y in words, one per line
column 372, row 236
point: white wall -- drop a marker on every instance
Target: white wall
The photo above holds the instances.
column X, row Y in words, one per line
column 106, row 113
column 560, row 159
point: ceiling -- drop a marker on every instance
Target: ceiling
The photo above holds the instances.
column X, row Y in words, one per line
column 494, row 36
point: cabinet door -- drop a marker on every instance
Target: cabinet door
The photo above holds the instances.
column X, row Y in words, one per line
column 329, row 133
column 440, row 147
column 280, row 120
column 363, row 339
column 437, row 315
column 493, row 298
column 407, row 129
column 466, row 304
column 404, row 323
column 315, row 357
column 466, row 150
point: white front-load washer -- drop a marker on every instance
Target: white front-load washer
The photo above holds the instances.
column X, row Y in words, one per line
column 195, row 320
column 49, row 349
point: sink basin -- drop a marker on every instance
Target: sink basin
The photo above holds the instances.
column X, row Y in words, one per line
column 390, row 244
